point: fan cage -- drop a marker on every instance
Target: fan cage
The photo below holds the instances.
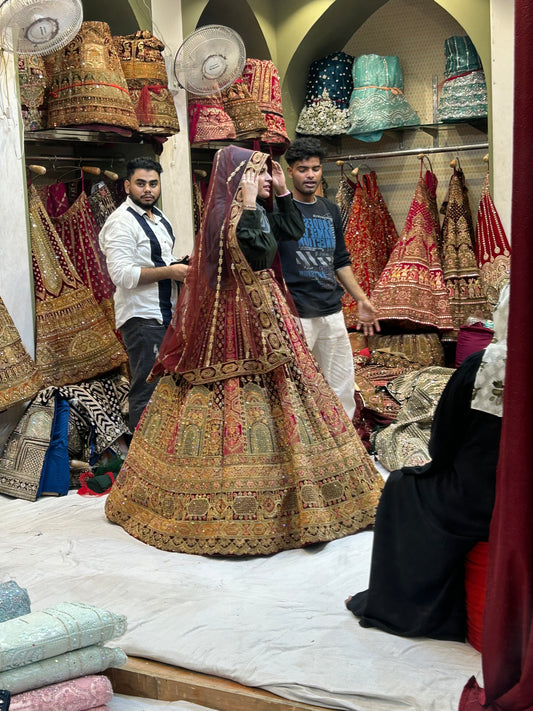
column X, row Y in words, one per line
column 38, row 27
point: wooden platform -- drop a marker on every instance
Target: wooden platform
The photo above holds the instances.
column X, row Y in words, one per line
column 153, row 680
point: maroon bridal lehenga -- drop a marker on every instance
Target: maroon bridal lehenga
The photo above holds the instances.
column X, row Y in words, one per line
column 244, row 448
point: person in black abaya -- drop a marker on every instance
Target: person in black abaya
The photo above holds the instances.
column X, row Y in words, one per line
column 429, row 517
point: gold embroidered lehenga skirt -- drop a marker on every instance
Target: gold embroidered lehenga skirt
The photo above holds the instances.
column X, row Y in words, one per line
column 246, row 465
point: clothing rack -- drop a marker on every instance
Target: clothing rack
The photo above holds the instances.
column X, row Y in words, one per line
column 76, row 159
column 407, row 152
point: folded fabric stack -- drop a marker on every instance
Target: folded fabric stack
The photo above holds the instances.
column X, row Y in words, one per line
column 52, row 659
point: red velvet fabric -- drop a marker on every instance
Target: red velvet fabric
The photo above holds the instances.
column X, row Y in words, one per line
column 475, row 587
column 471, row 339
column 507, row 643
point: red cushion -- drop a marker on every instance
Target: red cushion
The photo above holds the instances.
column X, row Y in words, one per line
column 471, row 339
column 475, row 583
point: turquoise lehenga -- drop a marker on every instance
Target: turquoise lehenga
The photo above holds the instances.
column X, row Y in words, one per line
column 377, row 100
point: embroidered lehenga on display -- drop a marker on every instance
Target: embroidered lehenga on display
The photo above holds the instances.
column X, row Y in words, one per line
column 461, row 273
column 79, row 234
column 262, row 81
column 243, row 449
column 87, row 84
column 74, row 340
column 370, row 236
column 411, row 291
column 344, row 198
column 493, row 251
column 19, row 376
column 141, row 59
column 327, row 96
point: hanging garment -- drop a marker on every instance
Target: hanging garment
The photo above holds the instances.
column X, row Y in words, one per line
column 493, row 251
column 244, row 111
column 208, row 120
column 382, row 224
column 102, row 204
column 459, row 267
column 143, row 65
column 74, row 340
column 20, row 378
column 78, row 232
column 262, row 81
column 33, row 83
column 370, row 235
column 244, row 448
column 327, row 96
column 344, row 198
column 411, row 291
column 87, row 84
column 464, row 90
column 377, row 100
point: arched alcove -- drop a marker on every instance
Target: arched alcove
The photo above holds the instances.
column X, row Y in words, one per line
column 333, row 29
column 118, row 14
column 243, row 21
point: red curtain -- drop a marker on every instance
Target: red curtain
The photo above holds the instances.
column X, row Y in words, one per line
column 507, row 643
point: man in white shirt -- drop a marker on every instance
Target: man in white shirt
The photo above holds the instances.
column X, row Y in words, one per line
column 137, row 242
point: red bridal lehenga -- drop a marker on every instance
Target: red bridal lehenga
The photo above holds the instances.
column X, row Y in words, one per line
column 411, row 291
column 493, row 251
column 74, row 340
column 78, row 232
column 243, row 449
column 370, row 236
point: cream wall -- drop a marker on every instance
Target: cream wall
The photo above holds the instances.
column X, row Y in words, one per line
column 175, row 159
column 502, row 42
column 16, row 286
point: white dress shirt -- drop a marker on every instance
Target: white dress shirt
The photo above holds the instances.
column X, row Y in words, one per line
column 127, row 248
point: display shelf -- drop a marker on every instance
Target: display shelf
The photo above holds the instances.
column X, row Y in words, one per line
column 400, row 132
column 79, row 135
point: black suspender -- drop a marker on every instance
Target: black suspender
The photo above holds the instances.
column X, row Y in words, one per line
column 165, row 285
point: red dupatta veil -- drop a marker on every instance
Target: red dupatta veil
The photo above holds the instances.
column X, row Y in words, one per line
column 221, row 327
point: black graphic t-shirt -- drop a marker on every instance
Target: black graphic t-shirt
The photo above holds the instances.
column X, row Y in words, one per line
column 309, row 265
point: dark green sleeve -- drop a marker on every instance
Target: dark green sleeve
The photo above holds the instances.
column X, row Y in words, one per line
column 287, row 223
column 258, row 247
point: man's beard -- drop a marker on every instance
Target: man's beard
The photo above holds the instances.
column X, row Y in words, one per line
column 144, row 205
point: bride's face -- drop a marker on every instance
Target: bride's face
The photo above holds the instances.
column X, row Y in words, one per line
column 264, row 183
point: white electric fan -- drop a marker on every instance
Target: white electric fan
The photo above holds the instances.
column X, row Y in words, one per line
column 38, row 27
column 209, row 59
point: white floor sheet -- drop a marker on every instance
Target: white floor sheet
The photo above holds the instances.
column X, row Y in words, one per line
column 275, row 622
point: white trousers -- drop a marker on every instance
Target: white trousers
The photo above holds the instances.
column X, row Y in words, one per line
column 329, row 342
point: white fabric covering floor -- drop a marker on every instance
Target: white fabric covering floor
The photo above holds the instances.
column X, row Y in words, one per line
column 276, row 622
column 120, row 702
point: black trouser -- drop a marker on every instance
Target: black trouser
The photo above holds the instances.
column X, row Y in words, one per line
column 142, row 338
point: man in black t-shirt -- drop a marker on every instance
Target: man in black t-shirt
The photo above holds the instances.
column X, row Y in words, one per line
column 317, row 267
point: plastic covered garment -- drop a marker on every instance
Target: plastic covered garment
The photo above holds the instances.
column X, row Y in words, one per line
column 244, row 448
